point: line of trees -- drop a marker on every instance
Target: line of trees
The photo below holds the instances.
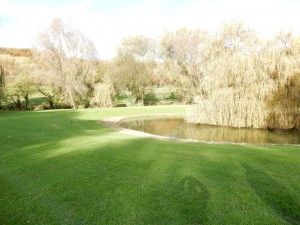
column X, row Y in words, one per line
column 1, row 84
column 233, row 77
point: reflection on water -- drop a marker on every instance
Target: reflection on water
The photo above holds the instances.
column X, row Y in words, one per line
column 178, row 128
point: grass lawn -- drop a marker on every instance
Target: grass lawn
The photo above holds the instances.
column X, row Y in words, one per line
column 62, row 167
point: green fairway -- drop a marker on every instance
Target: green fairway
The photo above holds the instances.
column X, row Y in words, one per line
column 63, row 167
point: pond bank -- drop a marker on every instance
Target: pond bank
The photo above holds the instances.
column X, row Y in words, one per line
column 116, row 121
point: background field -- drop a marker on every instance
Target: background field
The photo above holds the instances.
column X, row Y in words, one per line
column 62, row 167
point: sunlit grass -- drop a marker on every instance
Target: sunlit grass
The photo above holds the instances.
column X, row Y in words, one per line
column 62, row 167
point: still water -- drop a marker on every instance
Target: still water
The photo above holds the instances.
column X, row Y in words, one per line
column 178, row 128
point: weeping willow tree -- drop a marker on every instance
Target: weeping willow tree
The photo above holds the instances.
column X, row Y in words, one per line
column 244, row 78
column 104, row 93
column 285, row 105
column 282, row 58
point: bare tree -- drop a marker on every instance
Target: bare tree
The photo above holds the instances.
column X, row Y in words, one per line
column 70, row 56
column 46, row 83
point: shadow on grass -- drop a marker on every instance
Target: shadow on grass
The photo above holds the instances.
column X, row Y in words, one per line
column 57, row 167
column 194, row 197
column 274, row 194
column 28, row 136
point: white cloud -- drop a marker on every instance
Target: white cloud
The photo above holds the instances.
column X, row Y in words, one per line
column 107, row 29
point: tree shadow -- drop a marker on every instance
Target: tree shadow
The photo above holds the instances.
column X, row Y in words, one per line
column 194, row 198
column 27, row 137
column 274, row 194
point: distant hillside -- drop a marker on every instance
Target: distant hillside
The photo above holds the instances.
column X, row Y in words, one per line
column 18, row 52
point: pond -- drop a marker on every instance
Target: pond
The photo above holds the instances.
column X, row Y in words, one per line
column 178, row 128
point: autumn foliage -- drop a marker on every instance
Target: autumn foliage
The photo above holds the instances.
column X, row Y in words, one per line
column 233, row 77
column 245, row 82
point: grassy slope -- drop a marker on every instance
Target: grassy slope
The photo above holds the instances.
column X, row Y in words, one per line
column 61, row 167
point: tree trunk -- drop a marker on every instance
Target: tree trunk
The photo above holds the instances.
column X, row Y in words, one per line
column 51, row 102
column 49, row 98
column 73, row 105
column 17, row 102
column 26, row 97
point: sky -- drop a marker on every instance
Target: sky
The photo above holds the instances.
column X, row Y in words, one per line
column 107, row 22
